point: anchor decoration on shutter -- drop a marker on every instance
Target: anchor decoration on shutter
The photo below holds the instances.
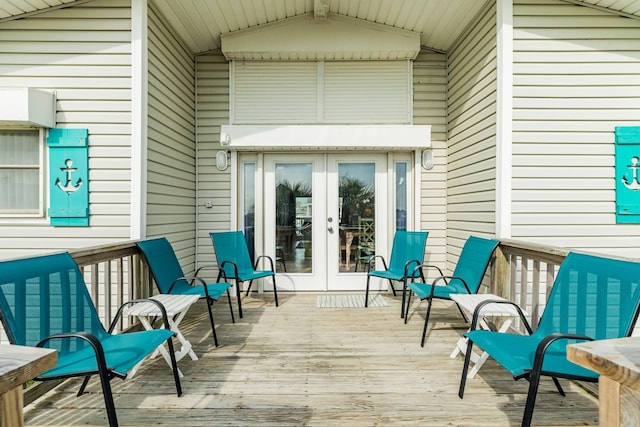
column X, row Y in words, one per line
column 68, row 177
column 627, row 174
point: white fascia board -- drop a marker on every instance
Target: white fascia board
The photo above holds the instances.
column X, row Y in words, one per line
column 327, row 137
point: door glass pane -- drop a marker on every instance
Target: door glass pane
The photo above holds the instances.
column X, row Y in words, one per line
column 356, row 205
column 249, row 206
column 401, row 196
column 294, row 202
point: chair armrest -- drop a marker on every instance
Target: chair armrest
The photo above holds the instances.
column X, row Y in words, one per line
column 203, row 267
column 264, row 256
column 119, row 313
column 480, row 306
column 85, row 336
column 544, row 344
column 190, row 281
column 417, row 268
column 372, row 259
column 446, row 281
column 223, row 267
column 440, row 272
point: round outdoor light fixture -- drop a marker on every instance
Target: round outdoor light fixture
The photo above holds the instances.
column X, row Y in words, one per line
column 221, row 160
column 427, row 159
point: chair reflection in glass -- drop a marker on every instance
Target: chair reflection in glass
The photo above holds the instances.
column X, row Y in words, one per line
column 366, row 241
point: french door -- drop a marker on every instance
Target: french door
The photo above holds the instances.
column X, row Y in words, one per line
column 324, row 215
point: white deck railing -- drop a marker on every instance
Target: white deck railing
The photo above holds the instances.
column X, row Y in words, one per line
column 521, row 272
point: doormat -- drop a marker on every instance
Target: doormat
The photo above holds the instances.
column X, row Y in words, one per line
column 349, row 301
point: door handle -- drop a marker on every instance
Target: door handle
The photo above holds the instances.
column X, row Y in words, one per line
column 330, row 229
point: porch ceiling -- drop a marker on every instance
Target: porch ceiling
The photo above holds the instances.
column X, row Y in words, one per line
column 200, row 23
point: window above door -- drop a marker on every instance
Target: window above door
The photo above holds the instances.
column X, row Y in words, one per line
column 331, row 92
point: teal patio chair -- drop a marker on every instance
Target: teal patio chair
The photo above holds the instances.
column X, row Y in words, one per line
column 234, row 262
column 170, row 278
column 44, row 302
column 407, row 253
column 592, row 298
column 466, row 279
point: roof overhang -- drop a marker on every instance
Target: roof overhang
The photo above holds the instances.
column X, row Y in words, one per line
column 335, row 38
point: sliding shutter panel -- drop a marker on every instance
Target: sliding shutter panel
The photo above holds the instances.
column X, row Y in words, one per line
column 275, row 92
column 367, row 92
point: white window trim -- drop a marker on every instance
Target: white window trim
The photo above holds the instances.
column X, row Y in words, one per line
column 17, row 216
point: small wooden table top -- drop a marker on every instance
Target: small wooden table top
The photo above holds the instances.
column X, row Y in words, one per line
column 19, row 364
column 173, row 304
column 618, row 359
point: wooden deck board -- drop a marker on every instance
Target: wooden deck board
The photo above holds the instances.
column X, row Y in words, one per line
column 302, row 365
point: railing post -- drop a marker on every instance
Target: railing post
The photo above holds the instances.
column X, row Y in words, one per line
column 500, row 274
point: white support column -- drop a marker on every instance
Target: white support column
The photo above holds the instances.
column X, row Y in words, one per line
column 504, row 118
column 139, row 88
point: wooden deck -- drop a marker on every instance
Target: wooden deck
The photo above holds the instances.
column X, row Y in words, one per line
column 302, row 365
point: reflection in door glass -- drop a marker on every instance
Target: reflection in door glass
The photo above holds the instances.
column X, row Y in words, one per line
column 401, row 196
column 294, row 202
column 356, row 204
column 249, row 206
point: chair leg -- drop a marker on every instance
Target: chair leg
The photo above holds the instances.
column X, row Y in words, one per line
column 213, row 326
column 248, row 288
column 406, row 310
column 275, row 290
column 392, row 288
column 534, row 381
column 462, row 313
column 108, row 399
column 233, row 319
column 105, row 381
column 238, row 292
column 366, row 293
column 465, row 369
column 426, row 321
column 558, row 386
column 174, row 366
column 83, row 386
column 402, row 305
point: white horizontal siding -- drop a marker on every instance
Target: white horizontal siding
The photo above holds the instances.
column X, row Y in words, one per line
column 212, row 72
column 82, row 53
column 430, row 108
column 576, row 77
column 171, row 150
column 471, row 176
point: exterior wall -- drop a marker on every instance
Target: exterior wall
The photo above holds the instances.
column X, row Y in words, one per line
column 471, row 118
column 84, row 55
column 214, row 186
column 576, row 77
column 171, row 150
column 430, row 108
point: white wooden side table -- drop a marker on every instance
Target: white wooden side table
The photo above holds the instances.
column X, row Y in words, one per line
column 469, row 302
column 176, row 307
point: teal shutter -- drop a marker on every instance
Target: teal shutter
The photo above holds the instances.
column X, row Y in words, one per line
column 627, row 174
column 68, row 177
